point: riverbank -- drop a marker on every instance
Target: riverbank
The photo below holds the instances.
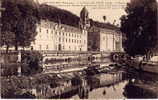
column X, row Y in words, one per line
column 20, row 85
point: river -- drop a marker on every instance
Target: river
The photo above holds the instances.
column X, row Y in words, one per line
column 111, row 83
column 119, row 83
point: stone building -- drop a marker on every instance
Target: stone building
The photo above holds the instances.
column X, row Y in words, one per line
column 59, row 37
column 104, row 38
column 88, row 36
column 62, row 37
column 101, row 36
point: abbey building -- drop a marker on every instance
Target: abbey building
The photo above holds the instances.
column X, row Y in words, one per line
column 88, row 36
column 62, row 37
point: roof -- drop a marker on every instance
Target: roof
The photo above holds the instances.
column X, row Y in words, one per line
column 53, row 25
column 97, row 29
column 104, row 25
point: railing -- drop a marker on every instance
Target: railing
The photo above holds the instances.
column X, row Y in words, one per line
column 61, row 52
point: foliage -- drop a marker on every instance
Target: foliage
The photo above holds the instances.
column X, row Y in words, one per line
column 139, row 27
column 58, row 15
column 18, row 22
column 21, row 16
column 31, row 62
column 104, row 18
column 12, row 86
column 9, row 69
column 65, row 17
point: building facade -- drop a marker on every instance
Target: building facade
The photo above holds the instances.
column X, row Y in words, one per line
column 62, row 37
column 104, row 39
column 85, row 37
column 59, row 37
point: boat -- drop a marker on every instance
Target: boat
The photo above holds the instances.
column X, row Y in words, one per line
column 150, row 66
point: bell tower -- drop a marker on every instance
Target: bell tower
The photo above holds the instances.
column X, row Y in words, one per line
column 84, row 18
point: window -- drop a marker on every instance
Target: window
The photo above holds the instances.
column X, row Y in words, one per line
column 39, row 29
column 40, row 47
column 66, row 40
column 47, row 30
column 47, row 47
column 56, row 47
column 59, row 39
column 69, row 40
column 104, row 38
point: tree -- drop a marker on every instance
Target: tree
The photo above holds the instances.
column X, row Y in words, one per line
column 104, row 18
column 18, row 23
column 139, row 27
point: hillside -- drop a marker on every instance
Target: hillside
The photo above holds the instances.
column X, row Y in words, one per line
column 66, row 17
column 44, row 11
column 58, row 15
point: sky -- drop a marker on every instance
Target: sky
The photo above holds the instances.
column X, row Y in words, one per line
column 112, row 9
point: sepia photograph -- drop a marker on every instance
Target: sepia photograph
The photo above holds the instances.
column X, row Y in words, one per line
column 78, row 49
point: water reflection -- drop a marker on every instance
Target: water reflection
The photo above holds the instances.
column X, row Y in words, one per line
column 137, row 89
column 86, row 87
column 113, row 85
column 143, row 85
column 103, row 86
column 97, row 81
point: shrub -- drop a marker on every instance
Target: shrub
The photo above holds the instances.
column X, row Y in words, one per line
column 31, row 62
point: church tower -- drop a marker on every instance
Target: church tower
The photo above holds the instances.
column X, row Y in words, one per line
column 84, row 18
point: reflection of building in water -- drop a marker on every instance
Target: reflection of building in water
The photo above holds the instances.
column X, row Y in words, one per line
column 108, row 79
column 53, row 89
column 84, row 90
column 62, row 37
